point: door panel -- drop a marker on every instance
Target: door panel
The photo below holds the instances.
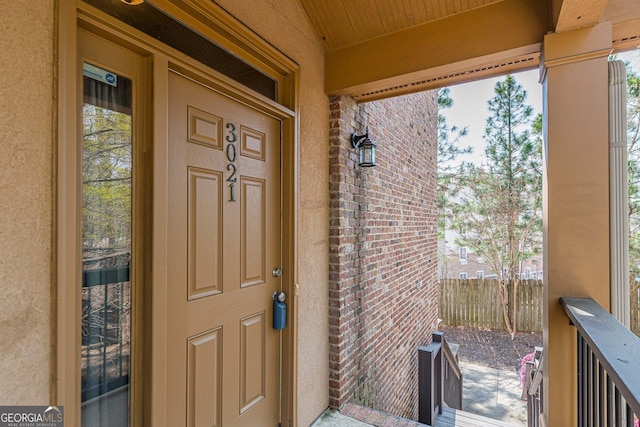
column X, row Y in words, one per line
column 224, row 239
column 252, row 361
column 253, row 219
column 205, row 128
column 205, row 232
column 204, row 390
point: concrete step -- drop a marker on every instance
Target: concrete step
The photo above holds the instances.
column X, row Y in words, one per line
column 360, row 416
column 351, row 412
column 333, row 418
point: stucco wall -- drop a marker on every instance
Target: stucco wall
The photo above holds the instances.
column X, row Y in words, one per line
column 26, row 46
column 284, row 24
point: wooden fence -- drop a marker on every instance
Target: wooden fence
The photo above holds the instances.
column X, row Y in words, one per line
column 476, row 303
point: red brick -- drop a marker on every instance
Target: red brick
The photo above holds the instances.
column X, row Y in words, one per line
column 383, row 220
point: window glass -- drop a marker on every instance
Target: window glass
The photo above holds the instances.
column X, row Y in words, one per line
column 106, row 247
column 155, row 23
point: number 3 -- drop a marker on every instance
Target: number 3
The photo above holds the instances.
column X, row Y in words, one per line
column 231, row 136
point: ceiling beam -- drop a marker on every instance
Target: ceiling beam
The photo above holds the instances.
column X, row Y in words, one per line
column 626, row 35
column 402, row 56
column 569, row 15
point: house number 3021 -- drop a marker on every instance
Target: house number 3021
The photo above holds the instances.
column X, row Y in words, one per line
column 232, row 155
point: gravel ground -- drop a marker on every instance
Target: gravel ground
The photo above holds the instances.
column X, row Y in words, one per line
column 491, row 347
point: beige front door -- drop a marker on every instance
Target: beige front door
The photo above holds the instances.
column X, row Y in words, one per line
column 223, row 171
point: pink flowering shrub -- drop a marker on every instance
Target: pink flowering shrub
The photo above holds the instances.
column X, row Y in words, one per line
column 523, row 366
column 636, row 423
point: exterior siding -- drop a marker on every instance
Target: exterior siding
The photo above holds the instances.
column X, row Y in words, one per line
column 382, row 261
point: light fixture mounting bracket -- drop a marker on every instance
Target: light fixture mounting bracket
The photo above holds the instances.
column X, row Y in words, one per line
column 357, row 139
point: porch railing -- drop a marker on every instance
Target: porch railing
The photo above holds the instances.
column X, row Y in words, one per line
column 439, row 379
column 608, row 368
column 106, row 312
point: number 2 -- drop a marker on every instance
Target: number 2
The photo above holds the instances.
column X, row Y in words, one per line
column 233, row 169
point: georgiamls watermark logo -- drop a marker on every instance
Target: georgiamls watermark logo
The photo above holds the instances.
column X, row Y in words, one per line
column 31, row 416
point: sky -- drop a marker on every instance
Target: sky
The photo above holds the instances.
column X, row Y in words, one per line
column 470, row 108
column 470, row 104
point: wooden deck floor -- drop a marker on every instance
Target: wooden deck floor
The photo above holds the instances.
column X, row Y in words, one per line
column 456, row 418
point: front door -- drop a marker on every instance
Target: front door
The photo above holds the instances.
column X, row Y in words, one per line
column 224, row 242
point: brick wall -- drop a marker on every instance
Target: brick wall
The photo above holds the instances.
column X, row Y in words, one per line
column 383, row 293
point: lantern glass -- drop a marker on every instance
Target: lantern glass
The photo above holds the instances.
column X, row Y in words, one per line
column 367, row 152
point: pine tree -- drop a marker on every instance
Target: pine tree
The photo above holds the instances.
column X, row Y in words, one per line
column 448, row 168
column 498, row 213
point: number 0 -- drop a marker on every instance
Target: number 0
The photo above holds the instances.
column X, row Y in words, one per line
column 231, row 152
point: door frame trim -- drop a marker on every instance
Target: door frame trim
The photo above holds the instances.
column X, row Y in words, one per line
column 241, row 41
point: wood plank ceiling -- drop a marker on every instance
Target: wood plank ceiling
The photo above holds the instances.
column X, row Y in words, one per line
column 424, row 44
column 342, row 23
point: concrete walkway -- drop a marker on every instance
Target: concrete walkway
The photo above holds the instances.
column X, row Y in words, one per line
column 492, row 393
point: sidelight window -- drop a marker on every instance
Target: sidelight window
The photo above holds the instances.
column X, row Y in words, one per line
column 106, row 247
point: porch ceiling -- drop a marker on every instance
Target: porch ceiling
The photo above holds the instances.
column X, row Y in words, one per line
column 342, row 23
column 381, row 48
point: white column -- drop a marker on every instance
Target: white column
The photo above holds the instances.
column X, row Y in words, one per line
column 619, row 192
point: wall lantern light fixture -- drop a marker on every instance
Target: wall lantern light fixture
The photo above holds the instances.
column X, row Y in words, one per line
column 366, row 150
